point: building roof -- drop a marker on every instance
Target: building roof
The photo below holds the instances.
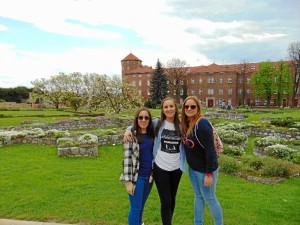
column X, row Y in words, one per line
column 131, row 57
column 140, row 70
column 214, row 68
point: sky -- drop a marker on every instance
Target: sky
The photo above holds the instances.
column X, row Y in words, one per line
column 41, row 38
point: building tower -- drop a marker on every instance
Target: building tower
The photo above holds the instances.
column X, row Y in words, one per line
column 130, row 62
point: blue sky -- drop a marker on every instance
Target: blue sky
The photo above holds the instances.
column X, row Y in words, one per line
column 40, row 38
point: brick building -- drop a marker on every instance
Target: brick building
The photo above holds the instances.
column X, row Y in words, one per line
column 215, row 85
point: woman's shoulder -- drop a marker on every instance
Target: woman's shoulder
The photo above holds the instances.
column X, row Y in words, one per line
column 203, row 123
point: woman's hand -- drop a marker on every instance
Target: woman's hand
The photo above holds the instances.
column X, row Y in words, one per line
column 127, row 136
column 129, row 188
column 208, row 181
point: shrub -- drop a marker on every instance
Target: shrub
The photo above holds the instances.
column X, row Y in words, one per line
column 282, row 121
column 65, row 142
column 38, row 132
column 294, row 142
column 277, row 168
column 5, row 138
column 278, row 150
column 88, row 139
column 269, row 140
column 57, row 133
column 232, row 137
column 233, row 150
column 228, row 164
column 294, row 157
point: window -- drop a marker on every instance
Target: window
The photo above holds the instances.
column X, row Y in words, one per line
column 240, row 80
column 181, row 82
column 210, row 91
column 181, row 91
column 200, row 80
column 240, row 91
column 200, row 91
column 168, row 82
column 148, row 82
column 192, row 81
column 174, row 92
column 221, row 80
column 229, row 80
column 248, row 80
column 140, row 75
column 210, row 80
column 174, row 82
column 133, row 83
column 140, row 83
column 192, row 91
column 220, row 91
column 248, row 91
column 230, row 91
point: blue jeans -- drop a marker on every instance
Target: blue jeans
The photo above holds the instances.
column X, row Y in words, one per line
column 138, row 200
column 205, row 195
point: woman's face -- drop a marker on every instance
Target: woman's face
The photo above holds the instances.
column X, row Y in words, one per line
column 169, row 109
column 190, row 108
column 143, row 120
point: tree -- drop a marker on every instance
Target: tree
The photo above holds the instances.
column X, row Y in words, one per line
column 262, row 81
column 18, row 94
column 282, row 81
column 294, row 55
column 111, row 92
column 52, row 90
column 159, row 86
column 176, row 74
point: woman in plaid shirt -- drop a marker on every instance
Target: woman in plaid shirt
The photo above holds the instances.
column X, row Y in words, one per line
column 137, row 165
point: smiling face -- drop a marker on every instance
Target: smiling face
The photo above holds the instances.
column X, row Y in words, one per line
column 190, row 108
column 169, row 110
column 143, row 120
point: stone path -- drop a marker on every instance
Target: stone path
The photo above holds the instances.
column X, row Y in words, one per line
column 23, row 222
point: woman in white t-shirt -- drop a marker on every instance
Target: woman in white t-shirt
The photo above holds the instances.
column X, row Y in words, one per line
column 169, row 157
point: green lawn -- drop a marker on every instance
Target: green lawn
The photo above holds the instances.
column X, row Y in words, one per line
column 37, row 185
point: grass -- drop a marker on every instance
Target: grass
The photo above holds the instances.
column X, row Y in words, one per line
column 37, row 185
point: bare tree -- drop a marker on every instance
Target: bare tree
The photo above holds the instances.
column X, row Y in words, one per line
column 294, row 55
column 176, row 71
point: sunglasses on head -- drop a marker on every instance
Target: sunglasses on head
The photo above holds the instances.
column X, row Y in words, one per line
column 143, row 117
column 190, row 106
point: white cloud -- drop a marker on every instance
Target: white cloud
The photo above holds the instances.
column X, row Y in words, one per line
column 164, row 29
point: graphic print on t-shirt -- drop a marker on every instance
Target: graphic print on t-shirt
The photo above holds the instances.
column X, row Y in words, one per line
column 170, row 141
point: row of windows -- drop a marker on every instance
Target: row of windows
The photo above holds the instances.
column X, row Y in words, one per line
column 210, row 91
column 210, row 80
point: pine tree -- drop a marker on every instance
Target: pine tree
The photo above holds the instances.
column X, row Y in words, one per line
column 159, row 85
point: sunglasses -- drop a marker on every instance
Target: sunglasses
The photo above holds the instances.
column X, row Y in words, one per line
column 190, row 106
column 143, row 117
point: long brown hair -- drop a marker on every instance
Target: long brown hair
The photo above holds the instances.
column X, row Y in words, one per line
column 163, row 117
column 136, row 129
column 189, row 123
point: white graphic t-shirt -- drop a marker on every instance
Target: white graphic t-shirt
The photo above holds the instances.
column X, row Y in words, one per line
column 168, row 154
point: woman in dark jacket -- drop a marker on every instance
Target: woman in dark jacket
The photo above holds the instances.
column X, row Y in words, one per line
column 202, row 159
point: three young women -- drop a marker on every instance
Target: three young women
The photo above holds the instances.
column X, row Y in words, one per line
column 168, row 157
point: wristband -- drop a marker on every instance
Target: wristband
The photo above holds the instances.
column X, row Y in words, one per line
column 209, row 174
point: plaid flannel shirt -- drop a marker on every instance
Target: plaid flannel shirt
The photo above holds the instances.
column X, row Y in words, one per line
column 131, row 162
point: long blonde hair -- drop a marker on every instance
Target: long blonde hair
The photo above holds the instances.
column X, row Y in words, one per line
column 163, row 117
column 187, row 123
